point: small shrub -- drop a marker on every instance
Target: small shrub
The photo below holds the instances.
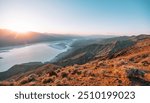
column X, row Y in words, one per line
column 84, row 73
column 58, row 70
column 53, row 77
column 64, row 75
column 74, row 71
column 119, row 81
column 76, row 66
column 24, row 81
column 52, row 73
column 145, row 63
column 47, row 80
column 135, row 73
column 32, row 77
column 93, row 75
column 79, row 72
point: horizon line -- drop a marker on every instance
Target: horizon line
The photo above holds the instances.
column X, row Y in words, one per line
column 83, row 34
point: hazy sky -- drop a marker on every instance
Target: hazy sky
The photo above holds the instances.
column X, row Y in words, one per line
column 76, row 16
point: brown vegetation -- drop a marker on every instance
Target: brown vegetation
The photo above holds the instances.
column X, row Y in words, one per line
column 128, row 66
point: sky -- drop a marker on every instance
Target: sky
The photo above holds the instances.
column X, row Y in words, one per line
column 76, row 16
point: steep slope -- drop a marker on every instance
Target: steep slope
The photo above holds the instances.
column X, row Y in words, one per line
column 90, row 52
column 37, row 76
column 119, row 63
column 19, row 69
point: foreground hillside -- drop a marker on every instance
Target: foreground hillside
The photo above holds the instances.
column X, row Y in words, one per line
column 118, row 62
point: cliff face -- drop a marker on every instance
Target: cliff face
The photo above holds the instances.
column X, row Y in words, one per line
column 117, row 62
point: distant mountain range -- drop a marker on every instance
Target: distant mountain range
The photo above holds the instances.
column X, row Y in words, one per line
column 121, row 60
column 11, row 38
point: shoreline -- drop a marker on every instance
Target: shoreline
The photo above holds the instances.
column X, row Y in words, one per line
column 54, row 43
column 7, row 48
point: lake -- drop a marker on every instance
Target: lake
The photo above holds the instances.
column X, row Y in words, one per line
column 40, row 52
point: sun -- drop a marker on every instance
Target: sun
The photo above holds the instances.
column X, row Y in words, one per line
column 19, row 24
column 18, row 28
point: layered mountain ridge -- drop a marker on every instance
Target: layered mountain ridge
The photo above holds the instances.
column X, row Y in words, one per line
column 115, row 61
column 11, row 38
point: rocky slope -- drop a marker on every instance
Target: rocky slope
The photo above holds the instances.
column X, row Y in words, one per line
column 19, row 69
column 104, row 49
column 116, row 62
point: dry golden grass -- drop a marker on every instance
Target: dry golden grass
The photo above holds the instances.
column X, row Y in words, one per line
column 109, row 72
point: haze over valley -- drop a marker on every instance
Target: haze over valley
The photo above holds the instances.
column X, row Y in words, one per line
column 74, row 42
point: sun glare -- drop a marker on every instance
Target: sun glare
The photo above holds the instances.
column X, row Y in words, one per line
column 19, row 23
column 18, row 28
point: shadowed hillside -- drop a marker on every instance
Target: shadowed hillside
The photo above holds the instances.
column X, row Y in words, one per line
column 117, row 61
